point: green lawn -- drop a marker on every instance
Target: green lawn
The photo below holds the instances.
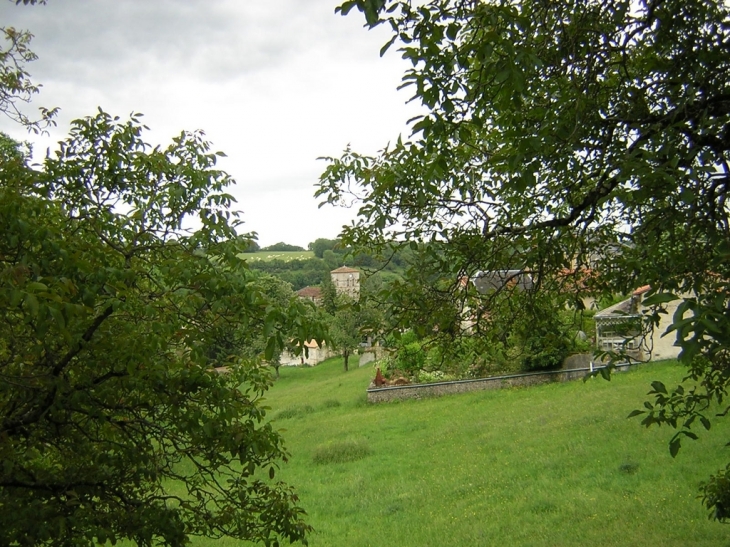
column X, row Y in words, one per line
column 551, row 465
column 286, row 256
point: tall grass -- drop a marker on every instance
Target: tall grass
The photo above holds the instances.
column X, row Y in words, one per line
column 553, row 465
column 341, row 452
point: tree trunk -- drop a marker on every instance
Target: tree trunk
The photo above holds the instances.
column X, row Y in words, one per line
column 346, row 355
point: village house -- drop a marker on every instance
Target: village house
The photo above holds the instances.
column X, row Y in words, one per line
column 346, row 281
column 622, row 327
column 313, row 355
column 313, row 294
column 494, row 280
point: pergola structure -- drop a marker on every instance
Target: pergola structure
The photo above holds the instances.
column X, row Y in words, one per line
column 621, row 327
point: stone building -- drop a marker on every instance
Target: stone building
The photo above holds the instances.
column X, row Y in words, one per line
column 311, row 293
column 346, row 281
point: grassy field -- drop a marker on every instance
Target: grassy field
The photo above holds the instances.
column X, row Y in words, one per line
column 286, row 256
column 552, row 465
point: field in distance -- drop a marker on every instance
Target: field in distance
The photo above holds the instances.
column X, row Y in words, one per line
column 286, row 256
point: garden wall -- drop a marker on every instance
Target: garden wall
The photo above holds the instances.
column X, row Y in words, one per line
column 419, row 391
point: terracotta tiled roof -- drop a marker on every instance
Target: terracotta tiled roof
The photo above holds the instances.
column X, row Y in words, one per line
column 345, row 269
column 628, row 307
column 310, row 292
column 577, row 278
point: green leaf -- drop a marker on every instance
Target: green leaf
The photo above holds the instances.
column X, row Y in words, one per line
column 270, row 348
column 31, row 303
column 36, row 287
column 674, row 445
column 387, row 45
column 659, row 298
column 57, row 317
column 452, row 30
column 16, row 297
column 502, row 76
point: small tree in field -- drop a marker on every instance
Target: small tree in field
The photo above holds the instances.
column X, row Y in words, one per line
column 283, row 333
column 344, row 329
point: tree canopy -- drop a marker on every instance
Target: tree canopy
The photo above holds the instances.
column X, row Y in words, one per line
column 16, row 87
column 320, row 245
column 281, row 246
column 122, row 302
column 561, row 137
column 114, row 423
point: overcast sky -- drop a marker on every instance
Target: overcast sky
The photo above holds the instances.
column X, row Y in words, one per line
column 273, row 83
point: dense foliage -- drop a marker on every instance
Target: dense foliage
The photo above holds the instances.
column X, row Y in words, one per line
column 113, row 421
column 559, row 137
column 314, row 271
column 320, row 245
column 282, row 247
column 298, row 273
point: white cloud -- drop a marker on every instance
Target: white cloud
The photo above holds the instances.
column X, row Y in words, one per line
column 274, row 83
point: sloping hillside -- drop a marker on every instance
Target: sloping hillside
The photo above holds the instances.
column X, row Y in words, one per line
column 551, row 465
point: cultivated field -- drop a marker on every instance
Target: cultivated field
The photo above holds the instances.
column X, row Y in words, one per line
column 286, row 256
column 555, row 465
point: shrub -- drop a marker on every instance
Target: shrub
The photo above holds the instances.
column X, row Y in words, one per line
column 411, row 357
column 425, row 377
column 545, row 350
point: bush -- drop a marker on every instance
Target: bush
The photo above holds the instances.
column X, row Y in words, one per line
column 411, row 357
column 425, row 377
column 546, row 359
column 545, row 349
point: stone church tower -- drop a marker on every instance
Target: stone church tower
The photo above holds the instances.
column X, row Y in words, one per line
column 346, row 281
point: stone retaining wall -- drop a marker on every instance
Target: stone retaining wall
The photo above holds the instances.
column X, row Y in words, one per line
column 419, row 391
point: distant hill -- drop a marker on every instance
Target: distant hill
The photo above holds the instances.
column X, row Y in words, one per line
column 286, row 256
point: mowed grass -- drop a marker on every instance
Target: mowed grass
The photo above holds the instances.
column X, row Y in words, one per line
column 554, row 465
column 286, row 256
